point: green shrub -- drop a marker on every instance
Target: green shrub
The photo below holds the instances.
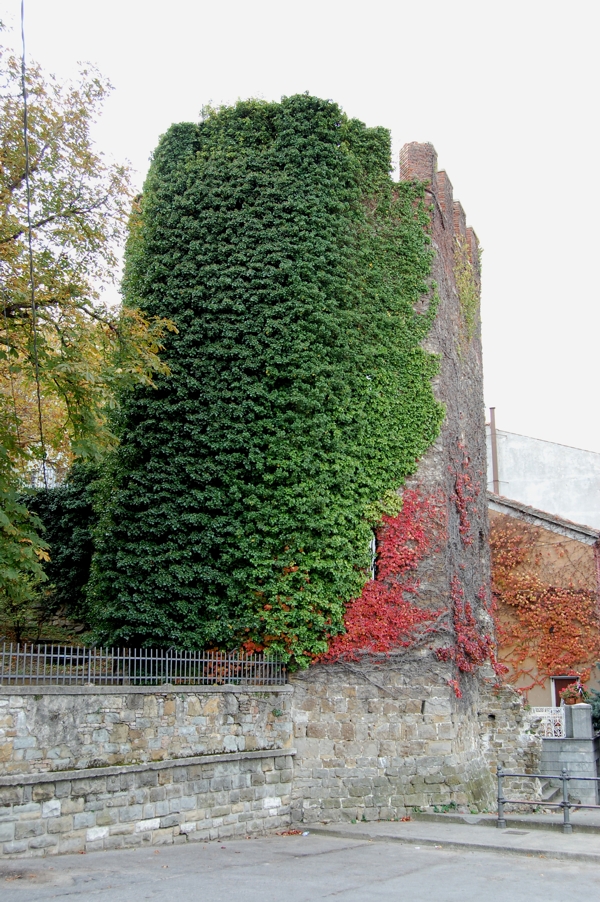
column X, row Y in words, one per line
column 594, row 700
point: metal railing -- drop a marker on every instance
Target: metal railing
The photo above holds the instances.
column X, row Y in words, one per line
column 68, row 665
column 565, row 804
column 552, row 722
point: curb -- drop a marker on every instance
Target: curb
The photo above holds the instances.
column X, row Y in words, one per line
column 459, row 845
column 474, row 820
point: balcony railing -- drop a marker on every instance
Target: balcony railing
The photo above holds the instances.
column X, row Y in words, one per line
column 552, row 724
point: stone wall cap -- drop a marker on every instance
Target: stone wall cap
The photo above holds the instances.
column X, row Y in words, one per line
column 166, row 689
column 60, row 776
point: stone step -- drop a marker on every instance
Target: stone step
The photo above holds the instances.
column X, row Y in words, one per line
column 551, row 792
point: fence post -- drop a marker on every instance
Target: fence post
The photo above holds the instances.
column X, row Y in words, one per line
column 501, row 819
column 566, row 805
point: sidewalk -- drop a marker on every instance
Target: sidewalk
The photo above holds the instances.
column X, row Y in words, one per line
column 583, row 820
column 532, row 835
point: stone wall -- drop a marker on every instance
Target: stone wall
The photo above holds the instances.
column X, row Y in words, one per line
column 510, row 739
column 371, row 740
column 377, row 740
column 166, row 802
column 59, row 728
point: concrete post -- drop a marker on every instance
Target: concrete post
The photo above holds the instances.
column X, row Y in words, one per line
column 582, row 721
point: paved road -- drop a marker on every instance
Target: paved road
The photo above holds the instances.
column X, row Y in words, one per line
column 298, row 869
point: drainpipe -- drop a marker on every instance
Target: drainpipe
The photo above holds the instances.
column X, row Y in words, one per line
column 495, row 480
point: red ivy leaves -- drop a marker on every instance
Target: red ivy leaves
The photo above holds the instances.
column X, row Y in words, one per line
column 465, row 494
column 382, row 617
column 556, row 627
column 471, row 649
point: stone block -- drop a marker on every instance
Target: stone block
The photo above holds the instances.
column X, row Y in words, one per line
column 10, row 795
column 107, row 816
column 136, row 839
column 84, row 819
column 149, row 824
column 7, row 831
column 51, row 808
column 60, row 824
column 74, row 842
column 44, row 842
column 63, row 789
column 26, row 829
column 116, row 841
column 171, row 820
column 15, row 848
column 130, row 813
column 89, row 787
column 95, row 834
column 71, row 806
column 316, row 730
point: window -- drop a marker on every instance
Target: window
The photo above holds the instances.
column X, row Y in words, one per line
column 373, row 557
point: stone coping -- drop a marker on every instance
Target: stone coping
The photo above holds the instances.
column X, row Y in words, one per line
column 166, row 689
column 60, row 776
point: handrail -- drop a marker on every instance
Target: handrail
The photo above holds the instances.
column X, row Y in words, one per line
column 566, row 805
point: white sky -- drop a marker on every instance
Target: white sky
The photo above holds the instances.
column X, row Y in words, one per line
column 507, row 92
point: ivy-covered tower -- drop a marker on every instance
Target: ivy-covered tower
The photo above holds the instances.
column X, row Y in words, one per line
column 310, row 477
column 242, row 500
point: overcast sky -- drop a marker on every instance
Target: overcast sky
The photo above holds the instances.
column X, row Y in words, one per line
column 507, row 92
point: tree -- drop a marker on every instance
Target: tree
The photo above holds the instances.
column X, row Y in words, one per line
column 22, row 555
column 64, row 353
column 241, row 500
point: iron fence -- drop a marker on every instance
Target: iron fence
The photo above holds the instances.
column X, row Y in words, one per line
column 69, row 665
column 566, row 804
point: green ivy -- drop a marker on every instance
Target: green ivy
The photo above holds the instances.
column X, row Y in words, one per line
column 239, row 505
column 468, row 291
column 68, row 516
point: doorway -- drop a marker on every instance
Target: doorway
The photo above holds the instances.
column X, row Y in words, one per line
column 558, row 684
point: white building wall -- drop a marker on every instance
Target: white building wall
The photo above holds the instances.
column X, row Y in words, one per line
column 554, row 478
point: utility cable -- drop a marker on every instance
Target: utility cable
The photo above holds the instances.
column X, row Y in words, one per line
column 30, row 244
column 10, row 375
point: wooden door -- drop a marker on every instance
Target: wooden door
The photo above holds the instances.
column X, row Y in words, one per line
column 558, row 684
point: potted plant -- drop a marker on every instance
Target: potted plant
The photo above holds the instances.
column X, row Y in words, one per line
column 573, row 694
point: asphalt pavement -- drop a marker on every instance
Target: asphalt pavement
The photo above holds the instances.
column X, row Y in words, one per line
column 379, row 861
